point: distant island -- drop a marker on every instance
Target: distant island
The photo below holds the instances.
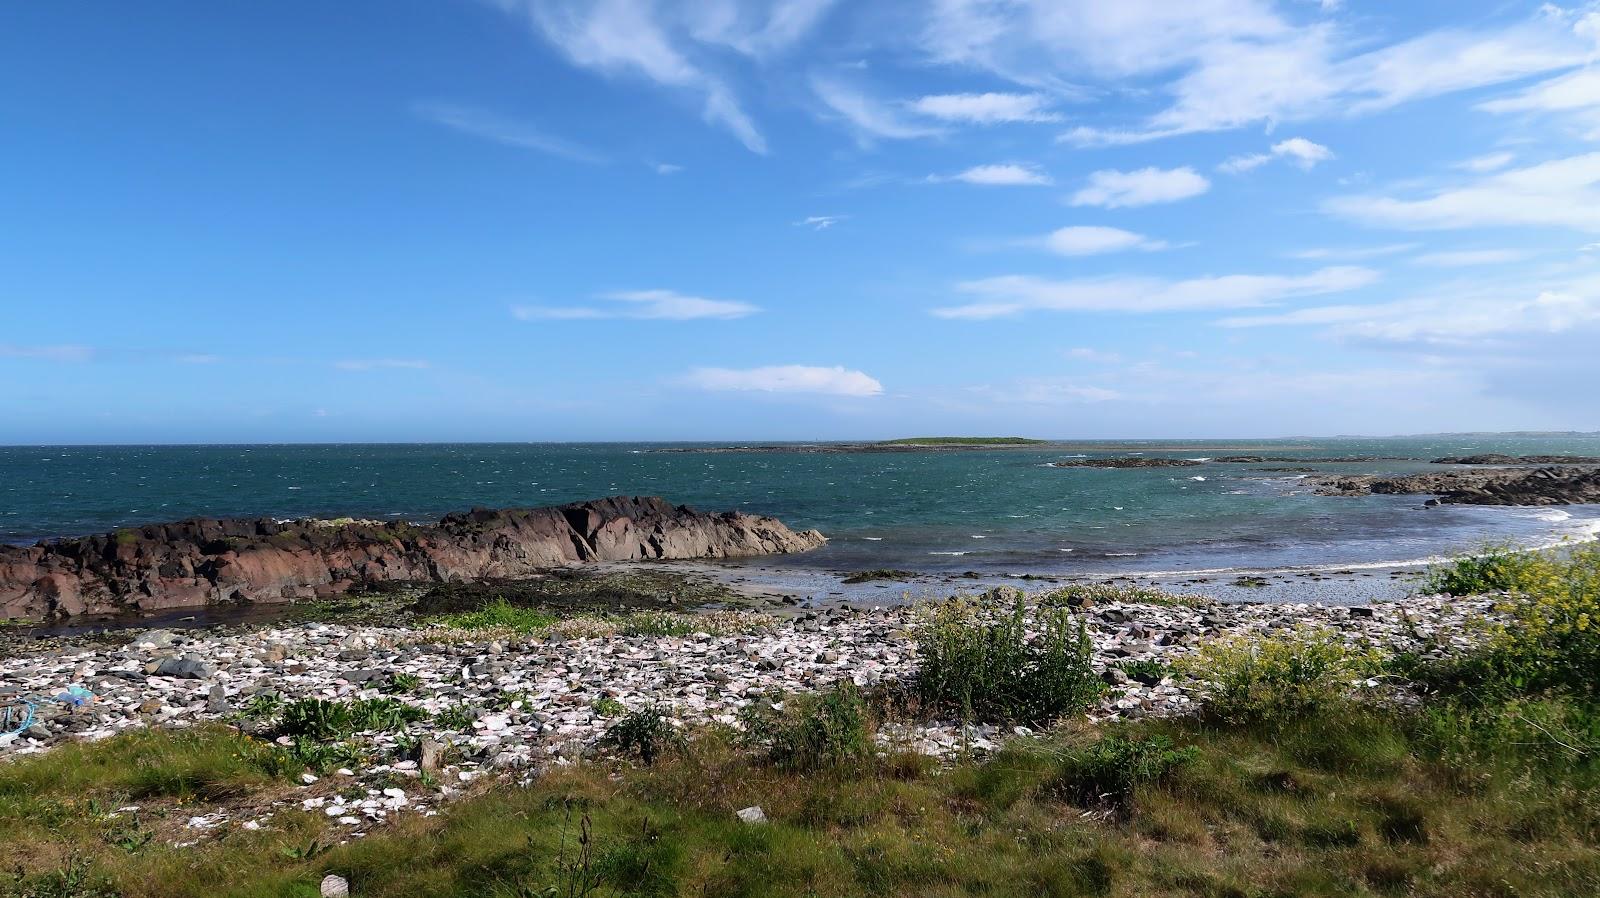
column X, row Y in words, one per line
column 908, row 444
column 965, row 441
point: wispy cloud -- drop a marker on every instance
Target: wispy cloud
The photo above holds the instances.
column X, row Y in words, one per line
column 1301, row 152
column 820, row 222
column 377, row 364
column 1487, row 162
column 1350, row 253
column 662, row 305
column 1090, row 240
column 64, row 352
column 834, row 381
column 1558, row 193
column 1010, row 295
column 500, row 129
column 1467, row 257
column 1241, row 63
column 986, row 108
column 1001, row 175
column 1459, row 315
column 1113, row 189
column 660, row 43
column 868, row 116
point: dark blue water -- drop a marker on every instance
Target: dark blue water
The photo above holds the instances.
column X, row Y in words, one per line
column 982, row 510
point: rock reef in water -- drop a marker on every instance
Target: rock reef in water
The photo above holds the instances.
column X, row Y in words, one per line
column 1126, row 463
column 1485, row 486
column 202, row 561
column 1495, row 458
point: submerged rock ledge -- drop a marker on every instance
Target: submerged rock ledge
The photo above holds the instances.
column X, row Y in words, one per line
column 203, row 561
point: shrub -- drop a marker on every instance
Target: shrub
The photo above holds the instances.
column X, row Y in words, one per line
column 646, row 734
column 991, row 670
column 1281, row 678
column 813, row 732
column 1496, row 569
column 456, row 717
column 1108, row 771
column 1551, row 640
column 606, row 706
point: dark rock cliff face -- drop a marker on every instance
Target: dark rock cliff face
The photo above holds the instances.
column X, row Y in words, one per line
column 201, row 561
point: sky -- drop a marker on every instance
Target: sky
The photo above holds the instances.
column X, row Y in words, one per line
column 458, row 220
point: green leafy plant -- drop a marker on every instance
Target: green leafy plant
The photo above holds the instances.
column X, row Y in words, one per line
column 1108, row 771
column 606, row 706
column 813, row 732
column 1279, row 678
column 646, row 734
column 989, row 669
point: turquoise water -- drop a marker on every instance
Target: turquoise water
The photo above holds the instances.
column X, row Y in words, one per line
column 938, row 511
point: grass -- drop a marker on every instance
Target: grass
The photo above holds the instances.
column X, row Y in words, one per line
column 500, row 615
column 1360, row 804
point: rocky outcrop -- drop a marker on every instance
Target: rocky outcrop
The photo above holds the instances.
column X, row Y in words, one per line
column 1125, row 463
column 1495, row 458
column 202, row 561
column 1485, row 486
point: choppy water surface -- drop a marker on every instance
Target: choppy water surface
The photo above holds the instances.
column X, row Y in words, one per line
column 1003, row 510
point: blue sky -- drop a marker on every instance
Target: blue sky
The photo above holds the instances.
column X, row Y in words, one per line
column 796, row 219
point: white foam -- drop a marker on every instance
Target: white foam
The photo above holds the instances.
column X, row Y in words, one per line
column 873, row 539
column 979, row 536
column 947, row 553
column 1198, row 477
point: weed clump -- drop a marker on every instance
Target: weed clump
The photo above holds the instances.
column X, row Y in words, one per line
column 994, row 670
column 1281, row 678
column 646, row 734
column 813, row 732
column 1107, row 772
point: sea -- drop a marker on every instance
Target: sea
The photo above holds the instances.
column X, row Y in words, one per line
column 1003, row 511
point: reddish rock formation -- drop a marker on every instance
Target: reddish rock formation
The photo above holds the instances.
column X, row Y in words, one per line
column 203, row 561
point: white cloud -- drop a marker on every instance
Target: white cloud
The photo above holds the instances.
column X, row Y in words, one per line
column 492, row 126
column 1559, row 193
column 986, row 108
column 1468, row 257
column 1575, row 95
column 1089, row 354
column 1564, row 93
column 667, row 168
column 376, row 364
column 1301, row 152
column 1006, row 175
column 659, row 43
column 820, row 222
column 1351, row 253
column 1238, row 62
column 869, row 117
column 1045, row 391
column 663, row 305
column 835, row 381
column 1089, row 240
column 66, row 352
column 1487, row 162
column 1114, row 189
column 1009, row 295
column 1458, row 315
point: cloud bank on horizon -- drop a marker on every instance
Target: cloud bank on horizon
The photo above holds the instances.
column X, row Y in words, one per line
column 595, row 219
